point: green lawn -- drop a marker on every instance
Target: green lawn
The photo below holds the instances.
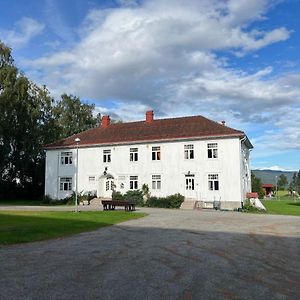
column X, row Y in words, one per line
column 29, row 226
column 284, row 206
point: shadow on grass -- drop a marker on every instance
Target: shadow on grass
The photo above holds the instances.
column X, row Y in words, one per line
column 28, row 226
column 294, row 203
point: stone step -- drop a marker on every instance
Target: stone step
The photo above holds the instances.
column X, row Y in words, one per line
column 188, row 205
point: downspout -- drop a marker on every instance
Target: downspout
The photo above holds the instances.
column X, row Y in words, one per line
column 241, row 167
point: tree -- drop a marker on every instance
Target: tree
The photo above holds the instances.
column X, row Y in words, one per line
column 282, row 182
column 256, row 186
column 25, row 117
column 72, row 116
column 29, row 119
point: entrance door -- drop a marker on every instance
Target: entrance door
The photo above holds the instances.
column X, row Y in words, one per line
column 108, row 187
column 190, row 186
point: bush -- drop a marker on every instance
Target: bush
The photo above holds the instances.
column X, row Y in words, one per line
column 172, row 201
column 135, row 196
column 117, row 196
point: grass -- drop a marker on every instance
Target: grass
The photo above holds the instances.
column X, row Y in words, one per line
column 25, row 202
column 29, row 226
column 283, row 206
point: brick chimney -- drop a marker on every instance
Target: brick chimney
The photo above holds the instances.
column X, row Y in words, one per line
column 105, row 121
column 149, row 116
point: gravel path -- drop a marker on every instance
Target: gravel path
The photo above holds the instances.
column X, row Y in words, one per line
column 170, row 254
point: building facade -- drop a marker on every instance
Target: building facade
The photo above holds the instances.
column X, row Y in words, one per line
column 196, row 157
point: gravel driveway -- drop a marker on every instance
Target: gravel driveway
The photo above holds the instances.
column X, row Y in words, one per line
column 170, row 254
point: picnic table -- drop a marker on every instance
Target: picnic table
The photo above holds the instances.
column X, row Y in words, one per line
column 111, row 205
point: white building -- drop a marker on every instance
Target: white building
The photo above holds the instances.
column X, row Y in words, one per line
column 194, row 156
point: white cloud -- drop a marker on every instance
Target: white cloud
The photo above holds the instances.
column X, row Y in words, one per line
column 24, row 30
column 165, row 57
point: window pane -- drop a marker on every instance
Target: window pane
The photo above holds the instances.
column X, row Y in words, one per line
column 191, row 154
column 158, row 185
column 153, row 155
column 153, row 185
column 209, row 152
column 216, row 185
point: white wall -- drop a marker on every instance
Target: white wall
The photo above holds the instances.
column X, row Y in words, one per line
column 172, row 167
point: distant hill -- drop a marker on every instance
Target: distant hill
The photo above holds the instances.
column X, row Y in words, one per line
column 269, row 176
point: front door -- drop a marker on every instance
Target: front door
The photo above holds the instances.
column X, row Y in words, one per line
column 190, row 188
column 108, row 187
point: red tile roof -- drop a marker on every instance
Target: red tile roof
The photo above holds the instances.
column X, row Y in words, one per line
column 267, row 185
column 156, row 130
column 252, row 195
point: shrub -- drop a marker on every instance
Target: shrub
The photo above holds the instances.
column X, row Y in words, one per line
column 172, row 201
column 117, row 196
column 135, row 196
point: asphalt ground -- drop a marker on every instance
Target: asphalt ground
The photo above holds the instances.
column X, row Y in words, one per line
column 169, row 254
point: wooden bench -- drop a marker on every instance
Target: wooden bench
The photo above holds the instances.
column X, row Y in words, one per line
column 111, row 205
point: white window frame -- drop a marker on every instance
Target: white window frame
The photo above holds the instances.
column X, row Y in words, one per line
column 213, row 182
column 66, row 158
column 133, row 154
column 107, row 155
column 133, row 182
column 156, row 154
column 212, row 150
column 156, row 182
column 65, row 183
column 189, row 182
column 189, row 151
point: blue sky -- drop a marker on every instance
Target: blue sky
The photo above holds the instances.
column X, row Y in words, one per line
column 232, row 60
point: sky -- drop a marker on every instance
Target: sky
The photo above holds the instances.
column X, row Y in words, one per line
column 235, row 60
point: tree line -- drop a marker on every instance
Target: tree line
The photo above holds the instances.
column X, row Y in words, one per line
column 282, row 184
column 29, row 119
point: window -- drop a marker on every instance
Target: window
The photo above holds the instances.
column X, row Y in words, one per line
column 156, row 182
column 106, row 156
column 190, row 182
column 66, row 183
column 155, row 153
column 133, row 182
column 92, row 178
column 133, row 154
column 212, row 150
column 213, row 182
column 109, row 185
column 66, row 158
column 189, row 151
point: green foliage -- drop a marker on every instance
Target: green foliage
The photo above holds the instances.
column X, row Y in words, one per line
column 256, row 186
column 72, row 116
column 146, row 192
column 282, row 182
column 135, row 196
column 30, row 119
column 172, row 201
column 117, row 196
column 295, row 183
